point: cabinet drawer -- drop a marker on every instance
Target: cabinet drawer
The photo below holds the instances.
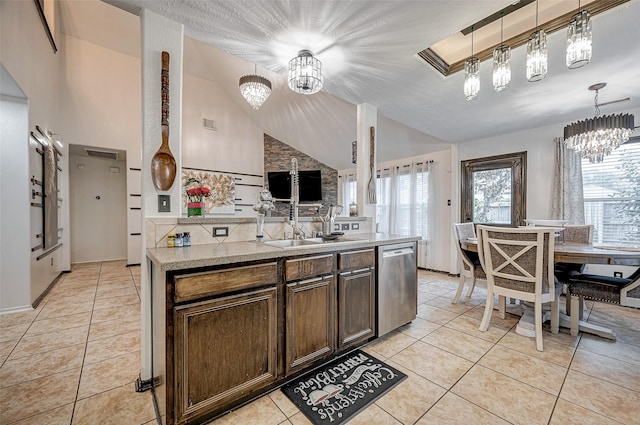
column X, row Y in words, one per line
column 198, row 285
column 304, row 268
column 356, row 259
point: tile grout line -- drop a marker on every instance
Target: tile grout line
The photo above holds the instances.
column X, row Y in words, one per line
column 84, row 356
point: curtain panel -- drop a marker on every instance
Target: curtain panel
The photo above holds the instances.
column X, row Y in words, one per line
column 568, row 195
column 403, row 194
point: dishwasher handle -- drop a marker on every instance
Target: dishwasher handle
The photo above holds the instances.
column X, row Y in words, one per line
column 397, row 252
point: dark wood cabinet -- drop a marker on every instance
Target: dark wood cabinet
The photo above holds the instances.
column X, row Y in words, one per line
column 356, row 297
column 235, row 331
column 356, row 307
column 225, row 348
column 310, row 322
column 310, row 310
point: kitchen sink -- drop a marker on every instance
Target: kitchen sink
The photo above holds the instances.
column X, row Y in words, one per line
column 286, row 243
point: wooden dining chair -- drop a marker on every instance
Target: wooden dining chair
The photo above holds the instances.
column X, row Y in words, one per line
column 518, row 263
column 468, row 261
column 614, row 290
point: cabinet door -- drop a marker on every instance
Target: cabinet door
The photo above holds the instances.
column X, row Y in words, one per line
column 310, row 326
column 224, row 349
column 356, row 307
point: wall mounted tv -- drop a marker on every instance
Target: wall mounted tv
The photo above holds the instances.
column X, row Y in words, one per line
column 310, row 185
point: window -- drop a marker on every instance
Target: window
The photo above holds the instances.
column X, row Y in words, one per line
column 348, row 189
column 494, row 189
column 403, row 200
column 612, row 196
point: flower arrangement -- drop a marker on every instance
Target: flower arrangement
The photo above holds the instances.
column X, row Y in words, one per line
column 195, row 196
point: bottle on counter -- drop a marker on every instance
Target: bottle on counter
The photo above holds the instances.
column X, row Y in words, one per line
column 186, row 239
column 171, row 240
column 179, row 241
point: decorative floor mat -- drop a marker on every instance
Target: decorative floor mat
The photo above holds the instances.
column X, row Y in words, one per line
column 339, row 390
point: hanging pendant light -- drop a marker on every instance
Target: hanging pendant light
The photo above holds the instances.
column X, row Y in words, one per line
column 501, row 65
column 579, row 46
column 305, row 73
column 471, row 75
column 255, row 89
column 594, row 138
column 537, row 57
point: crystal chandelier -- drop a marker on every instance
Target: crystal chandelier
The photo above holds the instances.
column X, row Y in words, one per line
column 594, row 138
column 579, row 46
column 255, row 89
column 305, row 73
column 471, row 75
column 537, row 54
column 501, row 65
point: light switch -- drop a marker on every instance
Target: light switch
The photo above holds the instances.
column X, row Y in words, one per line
column 164, row 203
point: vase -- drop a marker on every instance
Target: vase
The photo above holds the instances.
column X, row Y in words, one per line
column 260, row 227
column 195, row 209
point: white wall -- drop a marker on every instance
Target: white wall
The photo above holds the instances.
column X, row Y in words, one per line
column 101, row 104
column 238, row 143
column 98, row 226
column 540, row 148
column 28, row 57
column 14, row 205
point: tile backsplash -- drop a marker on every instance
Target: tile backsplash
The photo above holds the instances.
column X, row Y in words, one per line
column 241, row 229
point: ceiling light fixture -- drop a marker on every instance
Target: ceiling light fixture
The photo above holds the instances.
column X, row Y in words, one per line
column 594, row 138
column 579, row 47
column 471, row 77
column 255, row 89
column 537, row 54
column 305, row 73
column 501, row 65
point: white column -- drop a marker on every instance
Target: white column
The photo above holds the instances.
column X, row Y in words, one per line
column 158, row 34
column 367, row 118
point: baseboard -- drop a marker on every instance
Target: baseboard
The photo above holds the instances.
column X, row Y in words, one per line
column 16, row 309
column 38, row 300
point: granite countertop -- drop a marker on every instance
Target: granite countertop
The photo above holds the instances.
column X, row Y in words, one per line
column 236, row 252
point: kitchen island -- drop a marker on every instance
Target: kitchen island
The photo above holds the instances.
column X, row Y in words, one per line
column 232, row 321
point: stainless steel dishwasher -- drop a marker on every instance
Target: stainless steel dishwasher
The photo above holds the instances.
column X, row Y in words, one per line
column 397, row 286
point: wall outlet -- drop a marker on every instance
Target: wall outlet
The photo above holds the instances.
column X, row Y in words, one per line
column 164, row 203
column 220, row 232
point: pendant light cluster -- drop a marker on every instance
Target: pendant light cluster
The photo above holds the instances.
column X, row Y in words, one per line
column 594, row 138
column 305, row 73
column 579, row 50
column 304, row 77
column 501, row 65
column 579, row 47
column 255, row 89
column 471, row 75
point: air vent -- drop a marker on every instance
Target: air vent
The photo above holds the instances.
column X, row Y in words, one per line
column 209, row 124
column 102, row 154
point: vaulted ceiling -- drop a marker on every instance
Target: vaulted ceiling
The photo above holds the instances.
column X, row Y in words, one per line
column 369, row 54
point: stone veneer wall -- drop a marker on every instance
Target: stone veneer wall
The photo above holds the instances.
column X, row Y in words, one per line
column 277, row 157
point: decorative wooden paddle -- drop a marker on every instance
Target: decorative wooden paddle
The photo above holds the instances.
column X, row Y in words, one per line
column 163, row 164
column 372, row 153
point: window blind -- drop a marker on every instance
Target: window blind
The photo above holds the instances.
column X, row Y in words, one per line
column 612, row 196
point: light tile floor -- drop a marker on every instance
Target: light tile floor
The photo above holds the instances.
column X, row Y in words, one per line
column 75, row 358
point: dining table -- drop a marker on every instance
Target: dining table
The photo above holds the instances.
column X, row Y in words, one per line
column 576, row 253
